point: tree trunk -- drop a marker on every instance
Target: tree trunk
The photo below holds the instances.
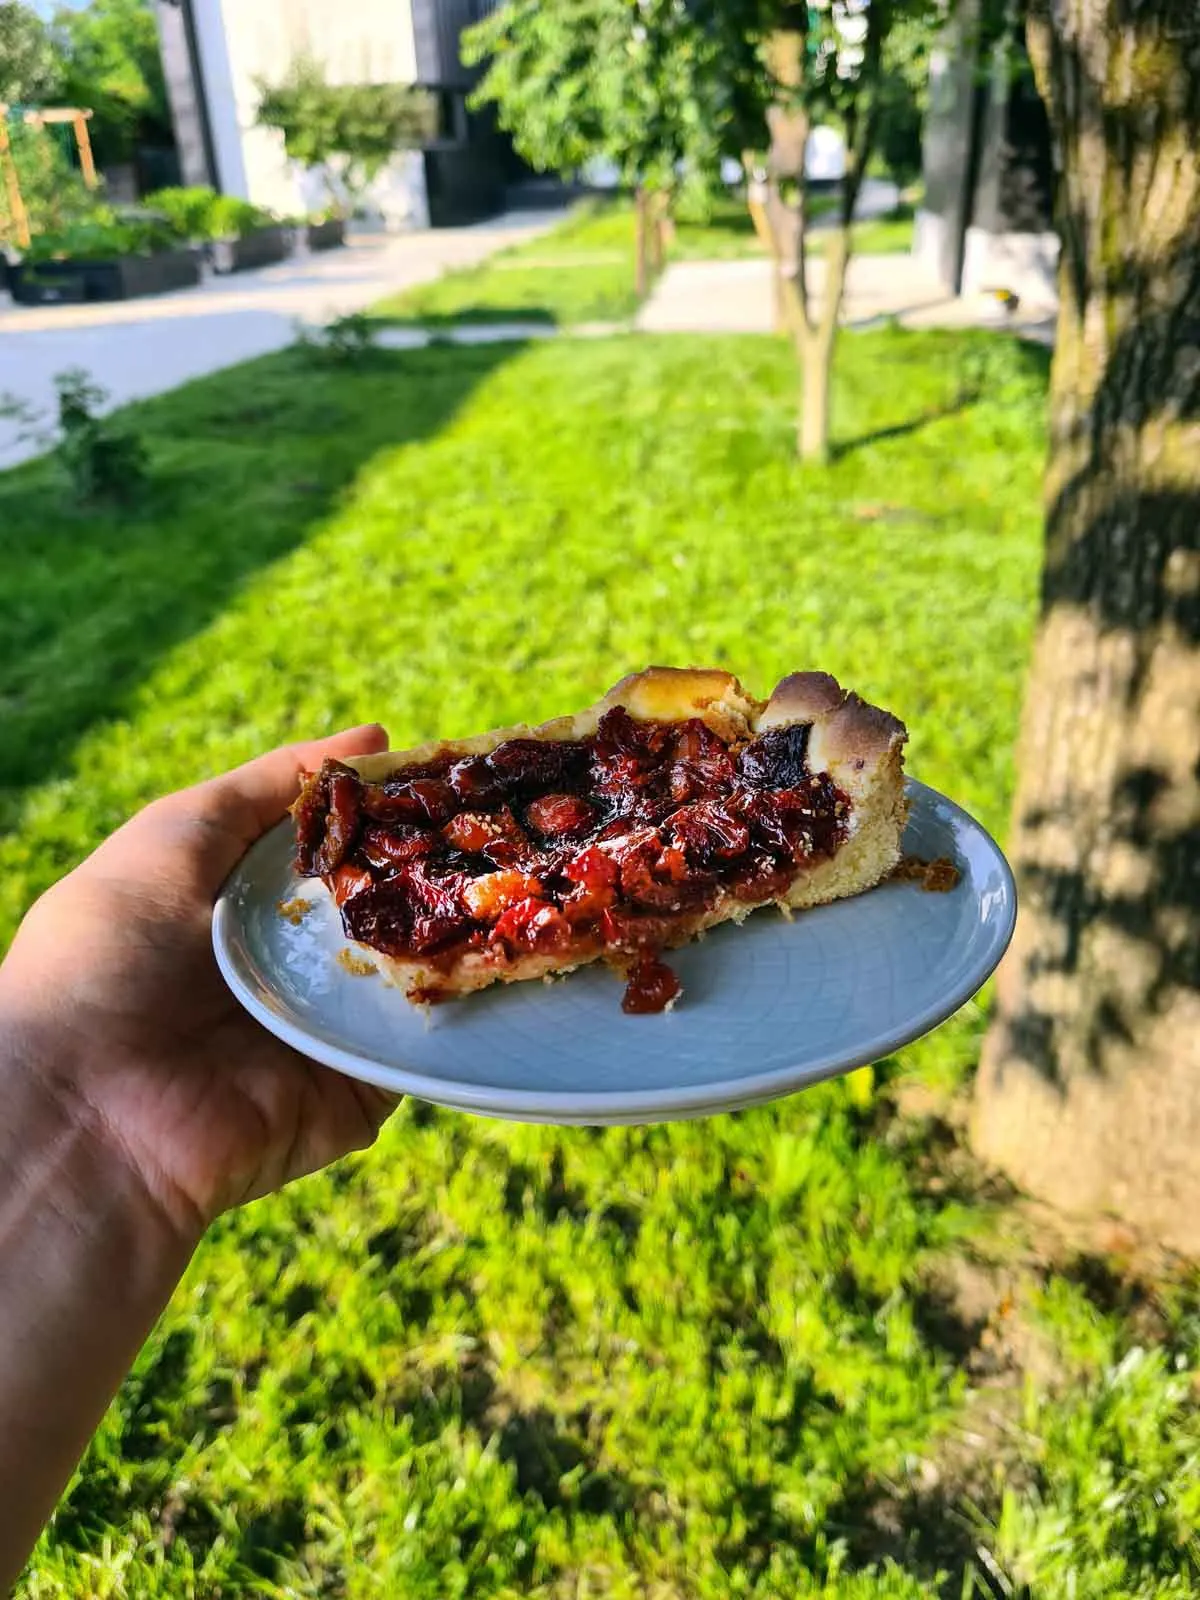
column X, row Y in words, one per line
column 660, row 210
column 641, row 276
column 814, row 346
column 1089, row 1088
column 762, row 203
column 816, row 368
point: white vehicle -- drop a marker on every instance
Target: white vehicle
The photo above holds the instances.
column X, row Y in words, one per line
column 825, row 157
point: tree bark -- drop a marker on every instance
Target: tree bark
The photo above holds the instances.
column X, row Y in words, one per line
column 815, row 345
column 660, row 215
column 764, row 204
column 641, row 275
column 812, row 436
column 1089, row 1088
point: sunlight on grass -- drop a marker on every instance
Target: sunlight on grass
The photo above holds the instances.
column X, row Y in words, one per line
column 583, row 270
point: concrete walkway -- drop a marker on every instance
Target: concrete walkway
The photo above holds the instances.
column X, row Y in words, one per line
column 737, row 297
column 137, row 348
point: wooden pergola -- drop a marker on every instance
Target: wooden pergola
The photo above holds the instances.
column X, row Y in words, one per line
column 39, row 117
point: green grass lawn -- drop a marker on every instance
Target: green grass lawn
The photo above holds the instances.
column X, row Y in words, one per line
column 792, row 1352
column 583, row 270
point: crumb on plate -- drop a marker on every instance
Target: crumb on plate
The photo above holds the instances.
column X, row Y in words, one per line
column 356, row 966
column 935, row 877
column 295, row 910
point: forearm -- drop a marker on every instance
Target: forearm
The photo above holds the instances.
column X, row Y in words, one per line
column 86, row 1265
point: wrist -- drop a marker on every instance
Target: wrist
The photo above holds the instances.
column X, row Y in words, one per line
column 55, row 1143
column 87, row 1263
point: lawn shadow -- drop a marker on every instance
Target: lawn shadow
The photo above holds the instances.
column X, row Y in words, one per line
column 245, row 464
column 471, row 316
column 554, row 1463
column 982, row 364
column 899, row 430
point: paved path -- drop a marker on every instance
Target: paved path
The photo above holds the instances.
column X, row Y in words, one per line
column 736, row 297
column 136, row 348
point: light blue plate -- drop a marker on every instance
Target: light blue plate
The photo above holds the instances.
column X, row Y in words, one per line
column 767, row 1008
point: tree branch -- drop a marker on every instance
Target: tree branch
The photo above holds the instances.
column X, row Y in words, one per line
column 862, row 114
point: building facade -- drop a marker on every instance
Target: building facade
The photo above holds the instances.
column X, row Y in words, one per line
column 987, row 219
column 217, row 53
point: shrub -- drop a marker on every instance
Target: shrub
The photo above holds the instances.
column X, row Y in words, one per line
column 53, row 190
column 347, row 341
column 231, row 217
column 350, row 131
column 202, row 213
column 101, row 460
column 186, row 211
column 101, row 236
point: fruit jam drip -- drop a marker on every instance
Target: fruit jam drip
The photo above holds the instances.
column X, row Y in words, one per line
column 617, row 844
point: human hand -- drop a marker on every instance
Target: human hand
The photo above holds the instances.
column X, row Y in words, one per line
column 113, row 988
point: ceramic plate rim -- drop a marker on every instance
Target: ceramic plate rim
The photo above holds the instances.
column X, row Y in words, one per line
column 600, row 1107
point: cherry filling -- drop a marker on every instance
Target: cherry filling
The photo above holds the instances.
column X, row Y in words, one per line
column 619, row 843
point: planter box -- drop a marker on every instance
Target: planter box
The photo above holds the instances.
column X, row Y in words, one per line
column 259, row 248
column 43, row 283
column 327, row 235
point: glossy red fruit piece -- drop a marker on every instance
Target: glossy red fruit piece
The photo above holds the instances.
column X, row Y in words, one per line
column 388, row 848
column 439, row 912
column 708, row 832
column 651, row 986
column 348, row 881
column 593, row 868
column 309, row 813
column 532, row 925
column 556, row 814
column 474, row 782
column 390, row 805
column 640, row 883
column 778, row 758
column 533, row 766
column 470, row 831
column 488, row 896
column 341, row 822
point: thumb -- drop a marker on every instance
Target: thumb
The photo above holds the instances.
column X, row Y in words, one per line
column 238, row 807
column 257, row 794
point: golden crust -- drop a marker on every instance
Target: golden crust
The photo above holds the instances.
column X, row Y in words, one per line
column 801, row 697
column 672, row 694
column 658, row 694
column 850, row 739
column 859, row 745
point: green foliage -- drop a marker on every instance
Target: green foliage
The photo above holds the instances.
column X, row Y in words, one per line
column 855, row 78
column 52, row 190
column 74, row 224
column 903, row 96
column 347, row 341
column 660, row 89
column 229, row 217
column 111, row 63
column 103, row 461
column 30, row 70
column 200, row 213
column 188, row 210
column 351, row 130
column 100, row 235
